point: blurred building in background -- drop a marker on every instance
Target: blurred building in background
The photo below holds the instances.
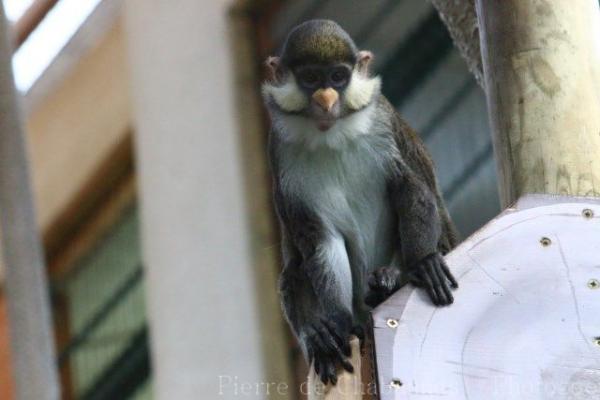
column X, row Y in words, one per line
column 71, row 64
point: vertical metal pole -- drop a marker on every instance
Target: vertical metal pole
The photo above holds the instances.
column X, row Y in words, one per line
column 32, row 342
column 541, row 61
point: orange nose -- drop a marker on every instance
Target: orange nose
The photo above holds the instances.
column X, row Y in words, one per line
column 326, row 98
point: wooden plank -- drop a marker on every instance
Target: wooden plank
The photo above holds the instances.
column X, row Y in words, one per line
column 526, row 319
column 90, row 35
column 359, row 385
column 31, row 19
column 26, row 287
column 542, row 62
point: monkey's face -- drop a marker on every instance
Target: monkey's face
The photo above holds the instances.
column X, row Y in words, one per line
column 323, row 93
column 323, row 86
column 320, row 75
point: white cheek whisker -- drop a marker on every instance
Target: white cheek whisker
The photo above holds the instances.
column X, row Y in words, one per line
column 287, row 96
column 361, row 90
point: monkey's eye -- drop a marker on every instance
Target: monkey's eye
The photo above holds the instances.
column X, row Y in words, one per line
column 309, row 79
column 339, row 77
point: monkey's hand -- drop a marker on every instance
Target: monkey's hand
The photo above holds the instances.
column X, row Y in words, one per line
column 433, row 275
column 383, row 282
column 328, row 345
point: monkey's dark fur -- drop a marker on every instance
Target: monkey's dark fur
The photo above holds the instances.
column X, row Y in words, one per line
column 357, row 198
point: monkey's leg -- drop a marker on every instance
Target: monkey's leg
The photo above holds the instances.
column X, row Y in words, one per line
column 420, row 229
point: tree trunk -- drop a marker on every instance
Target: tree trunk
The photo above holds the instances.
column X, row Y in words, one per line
column 461, row 20
column 541, row 61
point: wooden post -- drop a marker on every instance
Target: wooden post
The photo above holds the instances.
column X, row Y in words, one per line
column 32, row 344
column 350, row 386
column 541, row 61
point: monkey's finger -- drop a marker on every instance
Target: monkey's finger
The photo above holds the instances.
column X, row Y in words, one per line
column 391, row 277
column 415, row 277
column 342, row 342
column 359, row 332
column 322, row 339
column 323, row 374
column 333, row 348
column 347, row 366
column 447, row 293
column 444, row 284
column 328, row 373
column 448, row 273
column 317, row 341
column 333, row 377
column 428, row 284
column 437, row 281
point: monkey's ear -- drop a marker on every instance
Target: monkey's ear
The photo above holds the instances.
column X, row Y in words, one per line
column 364, row 60
column 273, row 70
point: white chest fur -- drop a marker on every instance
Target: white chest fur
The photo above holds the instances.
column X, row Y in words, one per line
column 342, row 175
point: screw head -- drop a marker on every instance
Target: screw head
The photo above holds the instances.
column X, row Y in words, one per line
column 594, row 284
column 396, row 383
column 392, row 323
column 545, row 241
column 588, row 213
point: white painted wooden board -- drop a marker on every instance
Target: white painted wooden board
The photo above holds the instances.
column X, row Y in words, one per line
column 526, row 319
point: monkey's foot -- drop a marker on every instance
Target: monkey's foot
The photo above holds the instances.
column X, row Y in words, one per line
column 328, row 345
column 433, row 275
column 383, row 282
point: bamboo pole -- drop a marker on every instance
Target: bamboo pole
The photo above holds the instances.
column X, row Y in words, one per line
column 32, row 344
column 541, row 61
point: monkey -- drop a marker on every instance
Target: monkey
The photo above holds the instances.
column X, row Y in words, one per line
column 355, row 193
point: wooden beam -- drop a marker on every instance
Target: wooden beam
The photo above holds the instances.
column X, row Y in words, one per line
column 359, row 385
column 541, row 61
column 30, row 20
column 76, row 128
column 32, row 343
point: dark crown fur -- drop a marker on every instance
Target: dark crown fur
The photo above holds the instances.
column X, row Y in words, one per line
column 318, row 41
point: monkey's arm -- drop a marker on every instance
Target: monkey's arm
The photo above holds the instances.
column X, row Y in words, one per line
column 420, row 228
column 312, row 289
